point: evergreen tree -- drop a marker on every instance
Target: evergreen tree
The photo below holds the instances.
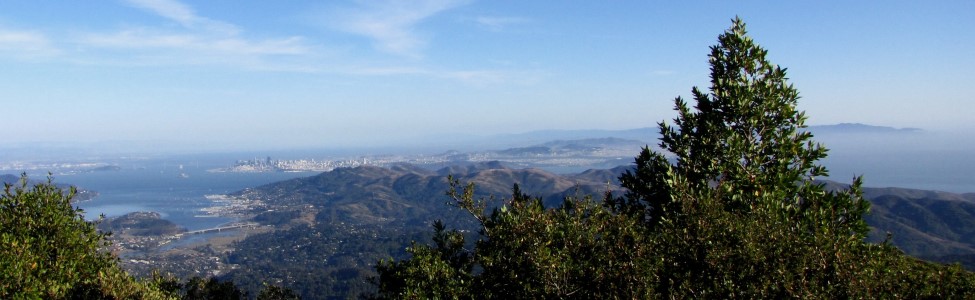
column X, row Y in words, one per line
column 729, row 209
column 741, row 192
column 744, row 142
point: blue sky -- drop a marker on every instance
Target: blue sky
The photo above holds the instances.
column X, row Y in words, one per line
column 276, row 74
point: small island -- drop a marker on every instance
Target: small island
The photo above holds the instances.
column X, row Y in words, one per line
column 141, row 224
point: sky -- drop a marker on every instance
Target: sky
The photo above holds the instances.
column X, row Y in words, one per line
column 233, row 74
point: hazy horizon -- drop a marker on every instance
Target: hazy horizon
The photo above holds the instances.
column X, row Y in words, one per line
column 936, row 160
column 430, row 142
column 219, row 75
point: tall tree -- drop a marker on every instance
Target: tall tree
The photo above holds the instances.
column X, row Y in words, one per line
column 728, row 209
column 740, row 190
column 744, row 141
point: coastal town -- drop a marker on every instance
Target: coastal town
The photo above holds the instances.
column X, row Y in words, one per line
column 576, row 155
column 146, row 243
column 295, row 165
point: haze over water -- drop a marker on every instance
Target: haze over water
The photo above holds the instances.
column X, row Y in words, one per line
column 157, row 186
column 942, row 161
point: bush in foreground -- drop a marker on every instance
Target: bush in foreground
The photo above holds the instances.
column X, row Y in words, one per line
column 49, row 251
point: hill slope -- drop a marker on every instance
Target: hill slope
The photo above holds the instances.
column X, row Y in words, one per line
column 333, row 226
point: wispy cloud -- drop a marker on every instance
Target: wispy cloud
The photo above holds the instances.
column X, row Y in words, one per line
column 173, row 10
column 26, row 44
column 183, row 14
column 199, row 41
column 145, row 47
column 498, row 23
column 392, row 24
column 148, row 39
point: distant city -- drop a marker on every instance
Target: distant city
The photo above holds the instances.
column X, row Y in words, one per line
column 576, row 154
column 561, row 155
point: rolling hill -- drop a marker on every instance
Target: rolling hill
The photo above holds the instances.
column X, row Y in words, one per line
column 928, row 224
column 333, row 226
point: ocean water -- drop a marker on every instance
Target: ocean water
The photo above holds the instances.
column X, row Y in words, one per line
column 941, row 162
column 174, row 187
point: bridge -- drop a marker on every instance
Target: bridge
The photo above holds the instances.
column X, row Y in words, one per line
column 219, row 229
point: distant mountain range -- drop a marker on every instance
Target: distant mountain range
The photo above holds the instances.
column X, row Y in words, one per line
column 651, row 133
column 459, row 141
column 847, row 128
column 647, row 135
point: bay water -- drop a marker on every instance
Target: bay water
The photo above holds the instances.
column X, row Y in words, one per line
column 174, row 187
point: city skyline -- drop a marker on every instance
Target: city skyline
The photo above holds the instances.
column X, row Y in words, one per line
column 253, row 75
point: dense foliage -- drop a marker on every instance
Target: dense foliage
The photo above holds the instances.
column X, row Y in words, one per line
column 733, row 212
column 48, row 250
column 328, row 260
column 526, row 251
